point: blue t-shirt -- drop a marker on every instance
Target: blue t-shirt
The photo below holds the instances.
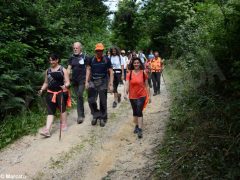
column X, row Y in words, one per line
column 99, row 69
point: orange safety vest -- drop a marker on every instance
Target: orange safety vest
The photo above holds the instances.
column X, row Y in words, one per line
column 156, row 65
column 69, row 103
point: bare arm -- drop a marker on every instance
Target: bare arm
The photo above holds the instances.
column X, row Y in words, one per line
column 148, row 89
column 88, row 72
column 126, row 88
column 66, row 78
column 111, row 79
column 122, row 67
column 69, row 69
column 45, row 84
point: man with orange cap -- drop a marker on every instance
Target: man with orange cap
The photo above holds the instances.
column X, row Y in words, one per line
column 156, row 70
column 97, row 83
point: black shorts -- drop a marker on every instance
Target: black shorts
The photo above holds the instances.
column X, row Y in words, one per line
column 116, row 81
column 125, row 74
column 51, row 107
column 137, row 106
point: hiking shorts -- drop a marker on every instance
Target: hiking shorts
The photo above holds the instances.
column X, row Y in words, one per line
column 52, row 107
column 125, row 74
column 137, row 106
column 116, row 81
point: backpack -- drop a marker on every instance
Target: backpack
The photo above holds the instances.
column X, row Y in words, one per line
column 61, row 71
column 84, row 57
column 104, row 58
column 50, row 78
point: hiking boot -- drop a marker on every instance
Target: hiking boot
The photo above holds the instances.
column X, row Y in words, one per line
column 114, row 104
column 154, row 94
column 94, row 121
column 102, row 123
column 45, row 132
column 119, row 98
column 140, row 133
column 158, row 92
column 80, row 120
column 135, row 129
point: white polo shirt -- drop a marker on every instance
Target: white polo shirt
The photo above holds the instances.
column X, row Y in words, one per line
column 116, row 64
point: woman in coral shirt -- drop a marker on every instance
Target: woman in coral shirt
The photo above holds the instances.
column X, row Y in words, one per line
column 137, row 88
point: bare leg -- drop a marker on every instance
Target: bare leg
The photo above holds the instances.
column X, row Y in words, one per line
column 140, row 125
column 135, row 120
column 49, row 122
column 140, row 122
column 116, row 97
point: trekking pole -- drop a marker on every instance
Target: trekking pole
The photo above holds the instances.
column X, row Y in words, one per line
column 60, row 129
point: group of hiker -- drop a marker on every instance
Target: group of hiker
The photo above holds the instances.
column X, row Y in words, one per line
column 99, row 75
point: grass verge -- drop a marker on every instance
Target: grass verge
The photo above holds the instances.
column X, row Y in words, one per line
column 202, row 139
column 27, row 122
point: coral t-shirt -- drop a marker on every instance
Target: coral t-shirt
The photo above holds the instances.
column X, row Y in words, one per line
column 137, row 86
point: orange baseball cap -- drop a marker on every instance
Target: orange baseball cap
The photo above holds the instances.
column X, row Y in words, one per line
column 99, row 47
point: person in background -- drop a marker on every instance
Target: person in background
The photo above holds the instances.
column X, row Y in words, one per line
column 139, row 93
column 132, row 55
column 156, row 69
column 125, row 60
column 56, row 83
column 148, row 69
column 77, row 68
column 118, row 69
column 108, row 54
column 151, row 53
column 97, row 84
column 142, row 56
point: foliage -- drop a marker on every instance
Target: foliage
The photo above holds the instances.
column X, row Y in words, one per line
column 30, row 31
column 28, row 122
column 202, row 136
column 201, row 41
column 124, row 27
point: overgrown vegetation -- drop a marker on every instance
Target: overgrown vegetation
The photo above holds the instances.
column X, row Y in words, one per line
column 30, row 30
column 200, row 39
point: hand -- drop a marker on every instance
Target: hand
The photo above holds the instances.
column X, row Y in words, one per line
column 122, row 78
column 86, row 85
column 40, row 92
column 63, row 87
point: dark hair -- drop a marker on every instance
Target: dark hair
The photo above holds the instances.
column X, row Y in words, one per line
column 131, row 67
column 55, row 56
column 117, row 51
column 108, row 51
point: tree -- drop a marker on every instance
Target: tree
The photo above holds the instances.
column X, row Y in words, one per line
column 124, row 28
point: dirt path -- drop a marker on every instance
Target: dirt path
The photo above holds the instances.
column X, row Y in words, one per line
column 87, row 152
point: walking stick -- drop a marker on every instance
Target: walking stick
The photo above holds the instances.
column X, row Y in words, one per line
column 60, row 129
